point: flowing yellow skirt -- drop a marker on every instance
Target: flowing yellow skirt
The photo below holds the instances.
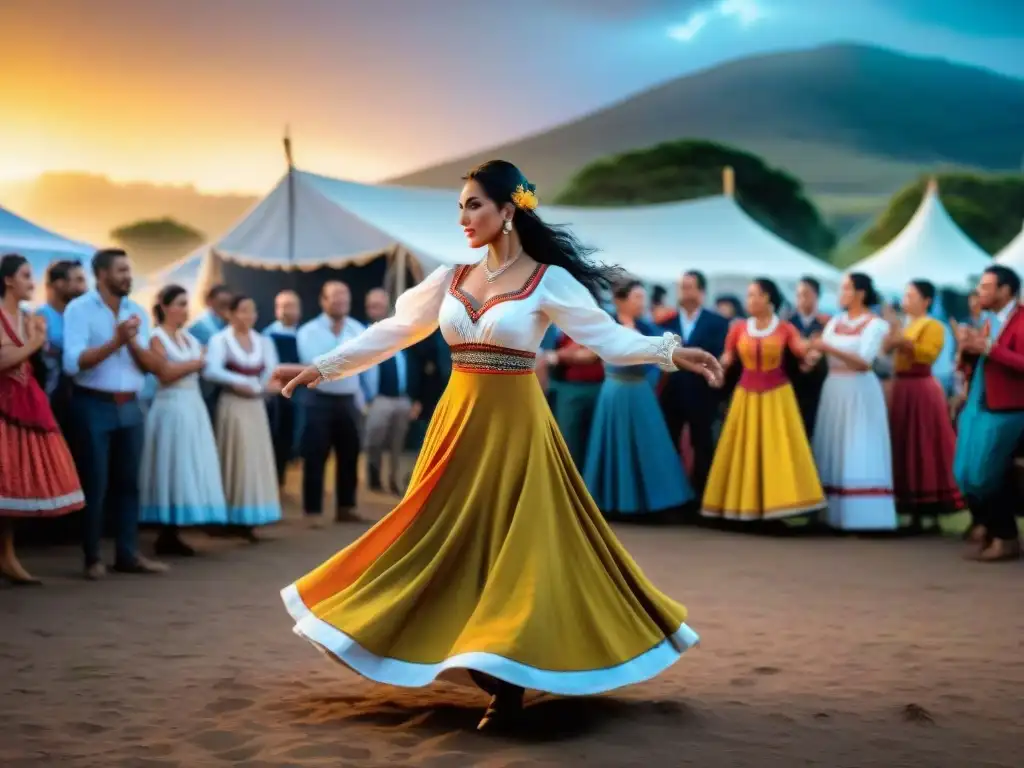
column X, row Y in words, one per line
column 763, row 467
column 496, row 560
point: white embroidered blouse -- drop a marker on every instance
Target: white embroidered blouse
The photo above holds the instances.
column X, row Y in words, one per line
column 229, row 364
column 516, row 320
column 862, row 337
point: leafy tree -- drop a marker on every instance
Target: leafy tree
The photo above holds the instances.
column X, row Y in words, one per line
column 157, row 232
column 688, row 169
column 987, row 207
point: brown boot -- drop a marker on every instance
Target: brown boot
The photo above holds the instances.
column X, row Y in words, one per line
column 346, row 515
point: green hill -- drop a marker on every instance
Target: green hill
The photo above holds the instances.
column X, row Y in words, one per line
column 852, row 122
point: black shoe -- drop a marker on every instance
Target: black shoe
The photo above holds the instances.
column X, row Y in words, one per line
column 504, row 709
column 170, row 545
column 374, row 479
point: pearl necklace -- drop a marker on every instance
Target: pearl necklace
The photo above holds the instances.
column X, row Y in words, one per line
column 492, row 275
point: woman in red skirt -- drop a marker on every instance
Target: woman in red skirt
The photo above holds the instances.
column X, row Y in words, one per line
column 38, row 477
column 923, row 441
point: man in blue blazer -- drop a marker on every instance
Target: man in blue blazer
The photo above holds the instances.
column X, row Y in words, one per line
column 686, row 398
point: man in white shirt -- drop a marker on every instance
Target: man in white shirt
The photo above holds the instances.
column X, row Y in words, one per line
column 333, row 411
column 393, row 405
column 106, row 354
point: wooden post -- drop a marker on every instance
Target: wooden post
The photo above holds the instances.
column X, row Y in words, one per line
column 728, row 181
column 401, row 265
column 291, row 194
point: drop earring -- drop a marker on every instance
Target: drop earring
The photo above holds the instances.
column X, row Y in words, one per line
column 507, row 226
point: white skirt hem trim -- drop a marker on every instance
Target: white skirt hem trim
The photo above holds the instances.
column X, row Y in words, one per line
column 416, row 675
column 41, row 505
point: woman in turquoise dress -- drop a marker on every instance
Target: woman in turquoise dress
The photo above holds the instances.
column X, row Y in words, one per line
column 631, row 466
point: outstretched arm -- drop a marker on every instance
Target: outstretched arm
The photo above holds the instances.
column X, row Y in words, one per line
column 415, row 318
column 569, row 305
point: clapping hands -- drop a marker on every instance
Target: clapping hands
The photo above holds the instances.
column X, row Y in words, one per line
column 35, row 331
column 127, row 330
column 973, row 341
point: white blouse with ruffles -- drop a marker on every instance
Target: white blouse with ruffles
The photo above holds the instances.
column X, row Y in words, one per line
column 516, row 320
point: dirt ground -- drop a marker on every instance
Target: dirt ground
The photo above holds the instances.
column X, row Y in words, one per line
column 841, row 653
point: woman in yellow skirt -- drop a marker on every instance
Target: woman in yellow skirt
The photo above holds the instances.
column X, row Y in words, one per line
column 497, row 562
column 763, row 467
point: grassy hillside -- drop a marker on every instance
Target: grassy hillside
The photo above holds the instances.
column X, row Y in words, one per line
column 848, row 120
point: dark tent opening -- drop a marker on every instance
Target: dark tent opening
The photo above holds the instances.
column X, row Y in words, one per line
column 262, row 285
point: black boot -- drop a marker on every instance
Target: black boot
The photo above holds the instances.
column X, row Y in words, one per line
column 506, row 701
column 374, row 478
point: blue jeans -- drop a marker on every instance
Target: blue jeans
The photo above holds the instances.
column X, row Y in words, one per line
column 107, row 443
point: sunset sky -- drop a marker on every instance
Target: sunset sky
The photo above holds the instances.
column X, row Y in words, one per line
column 198, row 91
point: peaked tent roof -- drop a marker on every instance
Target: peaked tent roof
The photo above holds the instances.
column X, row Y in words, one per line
column 1012, row 255
column 40, row 246
column 339, row 222
column 653, row 242
column 931, row 246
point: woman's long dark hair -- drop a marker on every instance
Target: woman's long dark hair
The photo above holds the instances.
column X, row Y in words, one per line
column 546, row 243
column 9, row 266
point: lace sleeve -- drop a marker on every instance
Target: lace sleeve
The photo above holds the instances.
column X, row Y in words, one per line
column 569, row 305
column 415, row 318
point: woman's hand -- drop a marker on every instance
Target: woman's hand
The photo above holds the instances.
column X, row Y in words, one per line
column 698, row 361
column 811, row 359
column 309, row 377
column 35, row 331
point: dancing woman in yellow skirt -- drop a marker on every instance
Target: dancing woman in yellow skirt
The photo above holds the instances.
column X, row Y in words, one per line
column 763, row 467
column 496, row 562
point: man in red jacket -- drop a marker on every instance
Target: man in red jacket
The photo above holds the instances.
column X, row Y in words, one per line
column 992, row 422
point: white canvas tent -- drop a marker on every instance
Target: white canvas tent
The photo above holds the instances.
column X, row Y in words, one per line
column 339, row 222
column 930, row 247
column 40, row 246
column 654, row 242
column 1012, row 255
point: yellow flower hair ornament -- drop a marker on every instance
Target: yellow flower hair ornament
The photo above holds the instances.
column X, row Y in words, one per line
column 525, row 198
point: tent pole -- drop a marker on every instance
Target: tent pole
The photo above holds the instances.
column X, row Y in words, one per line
column 400, row 267
column 291, row 194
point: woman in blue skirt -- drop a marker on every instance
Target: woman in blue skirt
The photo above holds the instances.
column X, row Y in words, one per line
column 631, row 466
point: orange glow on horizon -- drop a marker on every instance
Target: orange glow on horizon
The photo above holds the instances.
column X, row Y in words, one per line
column 133, row 107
